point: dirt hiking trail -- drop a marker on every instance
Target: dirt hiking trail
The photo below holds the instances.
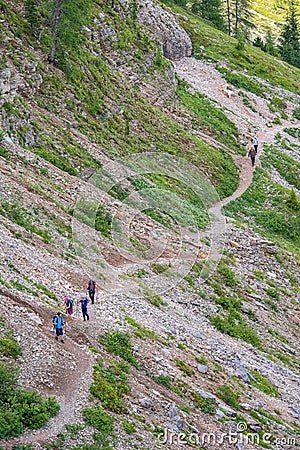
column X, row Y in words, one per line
column 67, row 390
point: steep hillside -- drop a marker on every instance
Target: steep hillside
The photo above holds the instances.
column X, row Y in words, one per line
column 126, row 162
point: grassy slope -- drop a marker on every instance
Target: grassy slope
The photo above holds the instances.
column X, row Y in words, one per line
column 216, row 46
column 101, row 101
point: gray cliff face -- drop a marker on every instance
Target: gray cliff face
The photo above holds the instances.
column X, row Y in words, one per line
column 176, row 43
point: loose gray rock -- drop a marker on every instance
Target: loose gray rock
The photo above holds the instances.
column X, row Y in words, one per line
column 176, row 43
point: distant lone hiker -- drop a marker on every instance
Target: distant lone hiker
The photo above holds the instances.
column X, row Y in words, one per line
column 252, row 154
column 255, row 143
column 91, row 287
column 84, row 301
column 58, row 322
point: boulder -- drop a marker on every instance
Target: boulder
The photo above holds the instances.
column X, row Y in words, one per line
column 176, row 43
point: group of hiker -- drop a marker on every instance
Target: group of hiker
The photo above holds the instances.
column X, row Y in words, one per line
column 60, row 323
column 253, row 150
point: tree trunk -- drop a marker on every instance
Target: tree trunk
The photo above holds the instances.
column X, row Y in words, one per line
column 228, row 16
column 56, row 21
column 236, row 16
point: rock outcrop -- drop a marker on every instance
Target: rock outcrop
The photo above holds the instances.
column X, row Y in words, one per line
column 176, row 43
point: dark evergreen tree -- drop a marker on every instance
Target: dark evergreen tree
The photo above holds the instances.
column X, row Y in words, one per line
column 237, row 12
column 242, row 13
column 212, row 10
column 270, row 46
column 68, row 19
column 228, row 16
column 196, row 7
column 290, row 38
column 258, row 42
column 31, row 15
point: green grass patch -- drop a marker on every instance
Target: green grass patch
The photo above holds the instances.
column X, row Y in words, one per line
column 263, row 384
column 233, row 325
column 228, row 275
column 128, row 427
column 110, row 385
column 9, row 346
column 206, row 405
column 185, row 368
column 230, row 397
column 20, row 215
column 103, row 423
column 164, row 380
column 103, row 221
column 241, row 81
column 209, row 118
column 142, row 332
column 287, row 166
column 265, row 203
column 216, row 46
column 4, row 153
column 119, row 344
column 194, row 274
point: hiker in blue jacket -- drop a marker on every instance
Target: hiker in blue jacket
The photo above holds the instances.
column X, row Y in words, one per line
column 58, row 323
column 84, row 301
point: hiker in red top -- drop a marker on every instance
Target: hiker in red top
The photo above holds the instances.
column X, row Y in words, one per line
column 91, row 288
column 252, row 154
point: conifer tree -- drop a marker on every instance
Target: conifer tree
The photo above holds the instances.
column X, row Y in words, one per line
column 270, row 46
column 31, row 15
column 237, row 11
column 212, row 10
column 290, row 38
column 68, row 19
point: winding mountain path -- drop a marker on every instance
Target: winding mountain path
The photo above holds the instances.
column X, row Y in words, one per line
column 67, row 395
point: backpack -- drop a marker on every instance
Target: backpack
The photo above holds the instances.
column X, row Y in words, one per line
column 58, row 321
column 70, row 303
column 84, row 303
column 92, row 285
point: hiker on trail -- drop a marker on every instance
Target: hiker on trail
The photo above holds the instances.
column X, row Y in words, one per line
column 69, row 305
column 91, row 288
column 84, row 301
column 53, row 321
column 255, row 143
column 59, row 323
column 252, row 154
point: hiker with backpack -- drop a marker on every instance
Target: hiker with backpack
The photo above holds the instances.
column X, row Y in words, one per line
column 84, row 301
column 255, row 143
column 58, row 322
column 69, row 305
column 91, row 288
column 252, row 154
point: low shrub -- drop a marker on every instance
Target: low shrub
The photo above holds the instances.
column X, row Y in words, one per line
column 110, row 386
column 187, row 370
column 21, row 409
column 9, row 346
column 296, row 113
column 164, row 380
column 119, row 344
column 230, row 397
column 263, row 384
column 206, row 405
column 234, row 325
